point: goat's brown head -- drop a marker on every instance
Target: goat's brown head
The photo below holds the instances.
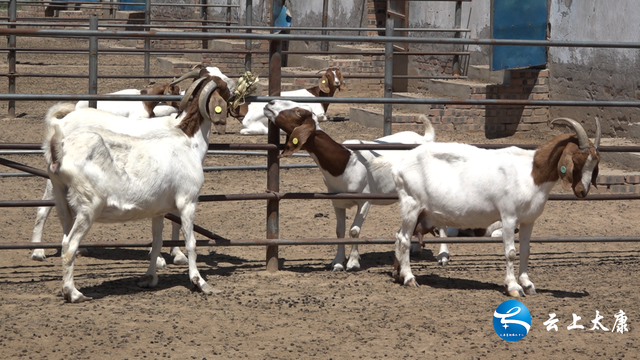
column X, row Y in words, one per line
column 578, row 164
column 159, row 89
column 296, row 120
column 212, row 95
column 331, row 81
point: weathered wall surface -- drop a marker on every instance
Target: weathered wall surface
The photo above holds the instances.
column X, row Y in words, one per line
column 596, row 74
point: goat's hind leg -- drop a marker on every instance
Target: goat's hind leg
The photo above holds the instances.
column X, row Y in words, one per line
column 179, row 258
column 150, row 278
column 443, row 255
column 41, row 218
column 70, row 243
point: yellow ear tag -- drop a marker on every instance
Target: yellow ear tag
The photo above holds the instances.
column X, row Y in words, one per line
column 323, row 81
column 218, row 109
column 295, row 141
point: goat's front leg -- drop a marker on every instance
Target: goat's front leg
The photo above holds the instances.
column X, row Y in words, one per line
column 338, row 262
column 525, row 236
column 354, row 232
column 150, row 278
column 508, row 234
column 187, row 214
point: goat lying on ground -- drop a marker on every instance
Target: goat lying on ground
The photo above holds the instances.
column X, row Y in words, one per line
column 133, row 111
column 102, row 176
column 343, row 170
column 138, row 109
column 254, row 122
column 460, row 185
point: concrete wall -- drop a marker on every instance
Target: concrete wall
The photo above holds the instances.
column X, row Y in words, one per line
column 596, row 74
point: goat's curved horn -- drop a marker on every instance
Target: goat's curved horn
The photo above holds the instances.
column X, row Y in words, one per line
column 188, row 92
column 596, row 142
column 204, row 97
column 190, row 75
column 583, row 140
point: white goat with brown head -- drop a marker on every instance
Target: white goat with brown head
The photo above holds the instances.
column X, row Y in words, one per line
column 343, row 170
column 102, row 176
column 464, row 186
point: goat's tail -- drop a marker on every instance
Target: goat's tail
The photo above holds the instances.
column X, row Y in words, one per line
column 53, row 149
column 54, row 132
column 429, row 132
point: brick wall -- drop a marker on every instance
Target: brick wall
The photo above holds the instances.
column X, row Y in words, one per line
column 494, row 120
column 627, row 183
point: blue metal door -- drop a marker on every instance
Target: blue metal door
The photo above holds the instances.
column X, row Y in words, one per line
column 523, row 20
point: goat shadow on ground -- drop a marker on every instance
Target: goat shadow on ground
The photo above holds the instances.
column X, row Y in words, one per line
column 439, row 282
column 129, row 285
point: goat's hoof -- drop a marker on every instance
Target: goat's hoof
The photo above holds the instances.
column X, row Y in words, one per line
column 75, row 296
column 209, row 289
column 180, row 259
column 353, row 266
column 337, row 267
column 148, row 281
column 516, row 292
column 38, row 255
column 82, row 252
column 443, row 259
column 411, row 282
column 529, row 290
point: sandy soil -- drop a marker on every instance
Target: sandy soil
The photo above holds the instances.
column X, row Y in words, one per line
column 304, row 310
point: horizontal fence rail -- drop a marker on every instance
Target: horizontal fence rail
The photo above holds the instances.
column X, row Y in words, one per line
column 320, row 241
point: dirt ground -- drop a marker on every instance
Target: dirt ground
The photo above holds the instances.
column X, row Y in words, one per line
column 304, row 311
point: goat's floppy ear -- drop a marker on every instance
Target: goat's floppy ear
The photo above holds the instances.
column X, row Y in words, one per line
column 565, row 170
column 218, row 112
column 324, row 84
column 299, row 137
column 343, row 84
column 594, row 177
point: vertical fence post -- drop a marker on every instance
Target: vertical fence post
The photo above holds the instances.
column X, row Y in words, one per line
column 204, row 14
column 458, row 24
column 93, row 61
column 11, row 57
column 273, row 163
column 147, row 40
column 228, row 15
column 247, row 43
column 324, row 46
column 388, row 78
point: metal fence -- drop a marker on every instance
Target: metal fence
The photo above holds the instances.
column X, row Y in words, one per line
column 273, row 196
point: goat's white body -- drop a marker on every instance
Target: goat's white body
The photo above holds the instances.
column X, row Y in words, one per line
column 256, row 123
column 102, row 176
column 99, row 119
column 464, row 186
column 128, row 109
column 359, row 178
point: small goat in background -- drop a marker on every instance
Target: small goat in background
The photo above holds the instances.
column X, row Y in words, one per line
column 459, row 185
column 254, row 122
